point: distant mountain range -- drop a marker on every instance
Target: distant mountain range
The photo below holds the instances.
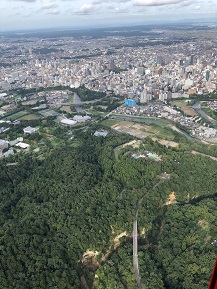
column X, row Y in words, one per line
column 148, row 23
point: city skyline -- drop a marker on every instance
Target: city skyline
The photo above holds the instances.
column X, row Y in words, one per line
column 33, row 14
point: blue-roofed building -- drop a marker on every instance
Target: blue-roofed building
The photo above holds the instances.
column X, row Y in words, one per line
column 130, row 102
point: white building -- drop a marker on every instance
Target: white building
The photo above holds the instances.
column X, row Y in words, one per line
column 80, row 118
column 102, row 133
column 3, row 145
column 67, row 121
column 22, row 145
column 29, row 129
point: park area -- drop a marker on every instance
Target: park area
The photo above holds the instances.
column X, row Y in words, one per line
column 183, row 106
column 29, row 117
column 16, row 115
column 66, row 108
column 30, row 102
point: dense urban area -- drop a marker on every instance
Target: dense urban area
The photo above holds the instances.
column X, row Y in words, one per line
column 100, row 130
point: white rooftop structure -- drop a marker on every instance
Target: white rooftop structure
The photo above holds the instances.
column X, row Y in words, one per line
column 101, row 133
column 22, row 145
column 3, row 144
column 2, row 95
column 68, row 121
column 30, row 129
column 8, row 153
column 80, row 118
column 17, row 140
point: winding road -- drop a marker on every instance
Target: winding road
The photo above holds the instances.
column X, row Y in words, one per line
column 135, row 240
column 198, row 109
column 135, row 249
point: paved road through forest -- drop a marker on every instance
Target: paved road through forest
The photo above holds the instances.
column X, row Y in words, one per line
column 135, row 240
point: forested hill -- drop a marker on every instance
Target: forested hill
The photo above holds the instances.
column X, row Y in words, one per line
column 81, row 197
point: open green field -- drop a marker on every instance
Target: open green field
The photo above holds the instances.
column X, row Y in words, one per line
column 16, row 115
column 74, row 143
column 180, row 103
column 29, row 117
column 66, row 108
column 142, row 130
column 71, row 98
column 163, row 132
column 55, row 142
column 30, row 102
column 183, row 105
column 17, row 96
column 203, row 104
column 48, row 112
column 210, row 112
column 109, row 122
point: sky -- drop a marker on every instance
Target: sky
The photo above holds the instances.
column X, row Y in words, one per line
column 30, row 14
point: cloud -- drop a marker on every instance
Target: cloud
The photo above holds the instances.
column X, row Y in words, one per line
column 15, row 14
column 156, row 2
column 118, row 9
column 109, row 1
column 186, row 3
column 27, row 1
column 86, row 9
column 48, row 5
column 121, row 9
column 54, row 12
column 197, row 7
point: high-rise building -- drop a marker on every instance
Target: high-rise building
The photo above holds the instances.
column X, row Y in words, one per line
column 167, row 59
column 192, row 59
column 159, row 60
column 111, row 65
column 207, row 75
column 140, row 70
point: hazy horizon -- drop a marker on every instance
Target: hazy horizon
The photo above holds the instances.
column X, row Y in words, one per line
column 46, row 14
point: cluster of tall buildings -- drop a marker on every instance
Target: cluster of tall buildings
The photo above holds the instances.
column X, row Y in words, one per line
column 141, row 73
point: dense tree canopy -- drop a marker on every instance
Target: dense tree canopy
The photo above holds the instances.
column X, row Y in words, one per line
column 81, row 197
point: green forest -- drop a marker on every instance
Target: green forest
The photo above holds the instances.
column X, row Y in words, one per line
column 79, row 198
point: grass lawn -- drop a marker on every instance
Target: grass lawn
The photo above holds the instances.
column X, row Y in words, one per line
column 183, row 105
column 189, row 111
column 55, row 142
column 162, row 132
column 210, row 112
column 29, row 117
column 109, row 122
column 30, row 102
column 17, row 96
column 71, row 98
column 74, row 143
column 179, row 103
column 66, row 108
column 16, row 115
column 143, row 130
